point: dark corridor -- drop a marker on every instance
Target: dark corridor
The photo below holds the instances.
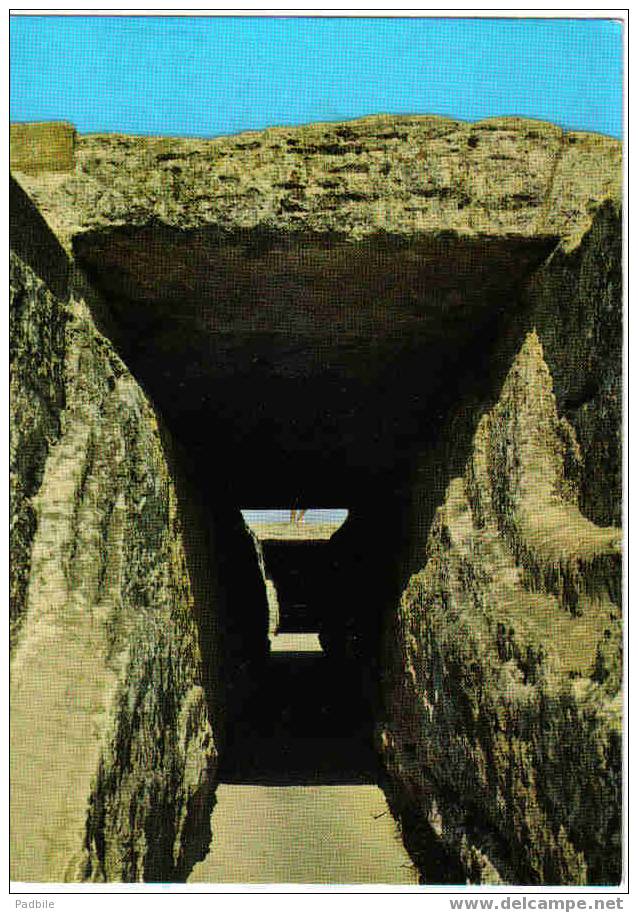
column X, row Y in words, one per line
column 299, row 571
column 306, row 721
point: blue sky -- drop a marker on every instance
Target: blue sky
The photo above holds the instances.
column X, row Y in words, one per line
column 203, row 76
column 282, row 515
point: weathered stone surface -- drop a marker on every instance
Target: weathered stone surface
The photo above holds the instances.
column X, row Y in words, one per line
column 419, row 314
column 496, row 524
column 117, row 693
column 575, row 301
column 403, row 175
column 503, row 660
column 336, row 274
column 36, row 334
column 42, row 147
column 242, row 609
column 271, row 589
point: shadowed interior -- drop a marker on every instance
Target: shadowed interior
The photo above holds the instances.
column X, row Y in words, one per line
column 302, row 368
column 307, row 369
column 448, row 389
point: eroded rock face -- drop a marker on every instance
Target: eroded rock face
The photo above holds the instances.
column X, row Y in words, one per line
column 576, row 303
column 503, row 660
column 400, row 175
column 413, row 317
column 309, row 293
column 485, row 595
column 117, row 694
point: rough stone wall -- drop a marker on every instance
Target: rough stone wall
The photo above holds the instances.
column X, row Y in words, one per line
column 115, row 707
column 42, row 147
column 271, row 590
column 575, row 301
column 36, row 338
column 400, row 175
column 500, row 671
column 501, row 698
column 243, row 608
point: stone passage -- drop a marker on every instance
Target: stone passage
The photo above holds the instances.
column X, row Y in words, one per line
column 304, row 835
column 298, row 799
column 417, row 319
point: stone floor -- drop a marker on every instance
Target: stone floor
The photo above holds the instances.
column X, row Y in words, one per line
column 298, row 802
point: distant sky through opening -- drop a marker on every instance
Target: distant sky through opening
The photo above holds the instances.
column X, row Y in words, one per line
column 313, row 515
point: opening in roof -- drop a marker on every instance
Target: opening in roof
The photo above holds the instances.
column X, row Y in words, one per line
column 295, row 522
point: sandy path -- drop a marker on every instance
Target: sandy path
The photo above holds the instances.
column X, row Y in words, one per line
column 304, row 834
column 298, row 801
